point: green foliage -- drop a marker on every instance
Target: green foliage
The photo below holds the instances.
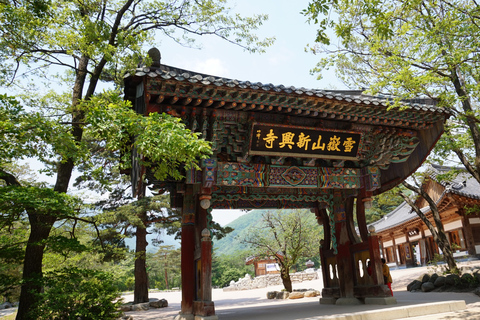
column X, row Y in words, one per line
column 71, row 47
column 291, row 234
column 74, row 293
column 226, row 268
column 384, row 203
column 406, row 50
column 163, row 141
column 164, row 268
column 233, row 241
column 12, row 249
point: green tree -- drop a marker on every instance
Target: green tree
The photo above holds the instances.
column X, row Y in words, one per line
column 383, row 204
column 411, row 49
column 73, row 47
column 288, row 236
column 226, row 268
column 164, row 268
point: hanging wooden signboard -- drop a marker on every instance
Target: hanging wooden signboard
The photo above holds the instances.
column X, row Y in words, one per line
column 292, row 141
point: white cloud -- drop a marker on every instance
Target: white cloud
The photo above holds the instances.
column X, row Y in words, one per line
column 211, row 66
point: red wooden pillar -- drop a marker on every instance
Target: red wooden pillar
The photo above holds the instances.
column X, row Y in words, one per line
column 344, row 257
column 188, row 271
column 375, row 260
column 188, row 255
column 361, row 219
column 204, row 307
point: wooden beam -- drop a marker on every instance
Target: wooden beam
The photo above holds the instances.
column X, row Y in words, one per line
column 207, row 103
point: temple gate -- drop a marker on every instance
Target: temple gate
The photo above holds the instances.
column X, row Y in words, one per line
column 285, row 147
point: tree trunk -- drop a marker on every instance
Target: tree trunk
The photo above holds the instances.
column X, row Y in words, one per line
column 40, row 227
column 287, row 281
column 140, row 293
column 437, row 231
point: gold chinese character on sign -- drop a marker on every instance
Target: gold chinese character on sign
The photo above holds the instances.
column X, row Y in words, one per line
column 303, row 140
column 259, row 134
column 317, row 145
column 348, row 144
column 271, row 137
column 287, row 140
column 333, row 144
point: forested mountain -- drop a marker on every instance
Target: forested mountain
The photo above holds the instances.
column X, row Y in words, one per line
column 232, row 242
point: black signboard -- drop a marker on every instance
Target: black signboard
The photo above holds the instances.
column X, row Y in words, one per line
column 283, row 140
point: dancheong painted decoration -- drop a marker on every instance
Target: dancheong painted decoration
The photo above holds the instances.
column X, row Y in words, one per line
column 284, row 147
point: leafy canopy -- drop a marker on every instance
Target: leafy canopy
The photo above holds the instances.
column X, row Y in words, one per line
column 409, row 49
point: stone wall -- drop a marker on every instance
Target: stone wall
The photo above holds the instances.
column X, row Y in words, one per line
column 269, row 280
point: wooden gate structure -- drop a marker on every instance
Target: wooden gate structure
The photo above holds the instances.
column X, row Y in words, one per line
column 285, row 147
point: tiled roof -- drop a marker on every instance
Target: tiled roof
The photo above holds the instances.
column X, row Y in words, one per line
column 168, row 72
column 463, row 184
column 401, row 214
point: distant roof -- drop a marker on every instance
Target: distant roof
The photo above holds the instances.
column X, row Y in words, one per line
column 401, row 214
column 463, row 185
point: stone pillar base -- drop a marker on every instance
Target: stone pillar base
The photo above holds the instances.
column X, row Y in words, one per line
column 328, row 300
column 206, row 318
column 188, row 316
column 348, row 301
column 380, row 300
column 204, row 309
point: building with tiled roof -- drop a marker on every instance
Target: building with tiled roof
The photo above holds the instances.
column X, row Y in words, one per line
column 406, row 241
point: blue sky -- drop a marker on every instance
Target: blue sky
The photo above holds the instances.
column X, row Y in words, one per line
column 286, row 62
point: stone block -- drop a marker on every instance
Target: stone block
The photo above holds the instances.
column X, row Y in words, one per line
column 162, row 303
column 425, row 278
column 414, row 285
column 452, row 279
column 206, row 317
column 126, row 307
column 296, row 295
column 348, row 301
column 271, row 294
column 283, row 295
column 428, row 308
column 427, row 286
column 141, row 306
column 311, row 293
column 439, row 282
column 433, row 278
column 327, row 300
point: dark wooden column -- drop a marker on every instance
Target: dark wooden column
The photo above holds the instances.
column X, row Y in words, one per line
column 322, row 217
column 362, row 222
column 375, row 260
column 394, row 246
column 188, row 255
column 204, row 306
column 344, row 257
column 467, row 233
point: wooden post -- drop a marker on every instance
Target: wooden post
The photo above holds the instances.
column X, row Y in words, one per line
column 362, row 222
column 207, row 266
column 344, row 257
column 375, row 260
column 467, row 233
column 188, row 255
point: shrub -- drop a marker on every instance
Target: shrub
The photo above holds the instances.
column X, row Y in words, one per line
column 72, row 294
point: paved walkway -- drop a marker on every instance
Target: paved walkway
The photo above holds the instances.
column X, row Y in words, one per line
column 253, row 304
